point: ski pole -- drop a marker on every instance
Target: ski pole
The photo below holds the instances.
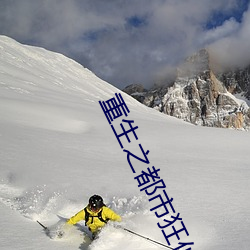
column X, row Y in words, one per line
column 146, row 238
column 45, row 228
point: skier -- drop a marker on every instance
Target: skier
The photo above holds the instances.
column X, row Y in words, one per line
column 95, row 214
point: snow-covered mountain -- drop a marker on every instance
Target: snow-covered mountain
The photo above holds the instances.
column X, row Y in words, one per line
column 201, row 95
column 57, row 149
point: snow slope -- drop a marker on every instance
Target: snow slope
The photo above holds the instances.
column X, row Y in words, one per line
column 57, row 149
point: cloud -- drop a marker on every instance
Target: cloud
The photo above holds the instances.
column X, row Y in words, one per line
column 233, row 48
column 126, row 42
column 228, row 28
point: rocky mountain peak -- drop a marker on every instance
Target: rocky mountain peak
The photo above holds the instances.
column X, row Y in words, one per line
column 200, row 96
column 196, row 64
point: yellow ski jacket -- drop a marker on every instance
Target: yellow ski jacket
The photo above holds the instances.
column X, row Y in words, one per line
column 94, row 223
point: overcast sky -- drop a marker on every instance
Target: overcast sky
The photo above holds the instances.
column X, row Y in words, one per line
column 131, row 41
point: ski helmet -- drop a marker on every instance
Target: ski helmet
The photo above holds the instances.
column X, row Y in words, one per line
column 95, row 202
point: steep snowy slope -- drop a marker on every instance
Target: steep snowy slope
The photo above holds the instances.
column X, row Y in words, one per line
column 57, row 148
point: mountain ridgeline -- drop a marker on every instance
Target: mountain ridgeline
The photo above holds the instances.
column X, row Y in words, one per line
column 201, row 94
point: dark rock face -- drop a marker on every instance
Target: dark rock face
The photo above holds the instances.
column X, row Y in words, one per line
column 137, row 91
column 200, row 97
column 237, row 81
